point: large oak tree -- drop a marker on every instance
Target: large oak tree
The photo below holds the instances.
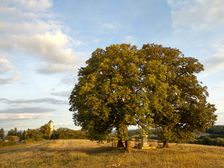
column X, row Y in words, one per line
column 109, row 93
column 154, row 85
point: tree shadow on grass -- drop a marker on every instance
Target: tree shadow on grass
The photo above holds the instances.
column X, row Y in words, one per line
column 41, row 148
column 90, row 151
column 14, row 149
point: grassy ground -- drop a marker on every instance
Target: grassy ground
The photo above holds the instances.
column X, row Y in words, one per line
column 84, row 153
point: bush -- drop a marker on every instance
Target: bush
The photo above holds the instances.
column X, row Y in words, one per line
column 216, row 135
column 9, row 143
column 9, row 140
column 34, row 134
column 206, row 140
column 12, row 138
column 66, row 133
column 217, row 129
column 218, row 142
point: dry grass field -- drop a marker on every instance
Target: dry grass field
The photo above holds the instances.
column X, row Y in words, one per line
column 85, row 153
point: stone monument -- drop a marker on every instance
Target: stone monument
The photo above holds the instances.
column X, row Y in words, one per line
column 144, row 141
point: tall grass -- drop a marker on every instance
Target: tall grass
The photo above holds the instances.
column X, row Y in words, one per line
column 84, row 153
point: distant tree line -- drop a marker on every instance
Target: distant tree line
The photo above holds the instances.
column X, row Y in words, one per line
column 42, row 133
column 66, row 133
column 213, row 136
column 1, row 133
column 217, row 129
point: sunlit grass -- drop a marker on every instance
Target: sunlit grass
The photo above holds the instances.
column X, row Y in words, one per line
column 84, row 153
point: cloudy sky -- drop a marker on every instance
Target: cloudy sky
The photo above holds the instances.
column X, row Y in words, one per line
column 44, row 43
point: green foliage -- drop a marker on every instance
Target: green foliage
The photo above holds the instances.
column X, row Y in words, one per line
column 16, row 132
column 9, row 143
column 1, row 133
column 46, row 131
column 216, row 129
column 109, row 92
column 12, row 138
column 183, row 110
column 66, row 133
column 216, row 135
column 134, row 132
column 30, row 134
column 9, row 140
column 206, row 140
column 12, row 132
column 154, row 85
column 23, row 135
column 34, row 134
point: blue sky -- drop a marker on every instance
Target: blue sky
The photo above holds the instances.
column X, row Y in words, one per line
column 44, row 42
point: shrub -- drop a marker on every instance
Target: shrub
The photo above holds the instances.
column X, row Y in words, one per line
column 34, row 134
column 66, row 133
column 12, row 138
column 206, row 140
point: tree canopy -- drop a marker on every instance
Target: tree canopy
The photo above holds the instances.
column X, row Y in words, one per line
column 184, row 110
column 152, row 86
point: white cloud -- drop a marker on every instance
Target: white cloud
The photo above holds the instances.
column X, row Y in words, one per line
column 23, row 116
column 50, row 46
column 35, row 4
column 61, row 93
column 202, row 21
column 215, row 62
column 20, row 10
column 33, row 101
column 28, row 27
column 197, row 15
column 8, row 80
column 68, row 80
column 129, row 39
column 109, row 26
column 24, row 113
column 26, row 110
column 5, row 65
column 53, row 68
column 7, row 72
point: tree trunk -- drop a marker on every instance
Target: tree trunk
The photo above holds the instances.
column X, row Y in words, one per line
column 125, row 135
column 120, row 143
column 119, row 136
column 126, row 144
column 122, row 133
column 165, row 144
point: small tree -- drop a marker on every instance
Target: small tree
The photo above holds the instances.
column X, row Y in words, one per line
column 66, row 133
column 1, row 133
column 34, row 134
column 47, row 130
column 12, row 132
column 23, row 136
